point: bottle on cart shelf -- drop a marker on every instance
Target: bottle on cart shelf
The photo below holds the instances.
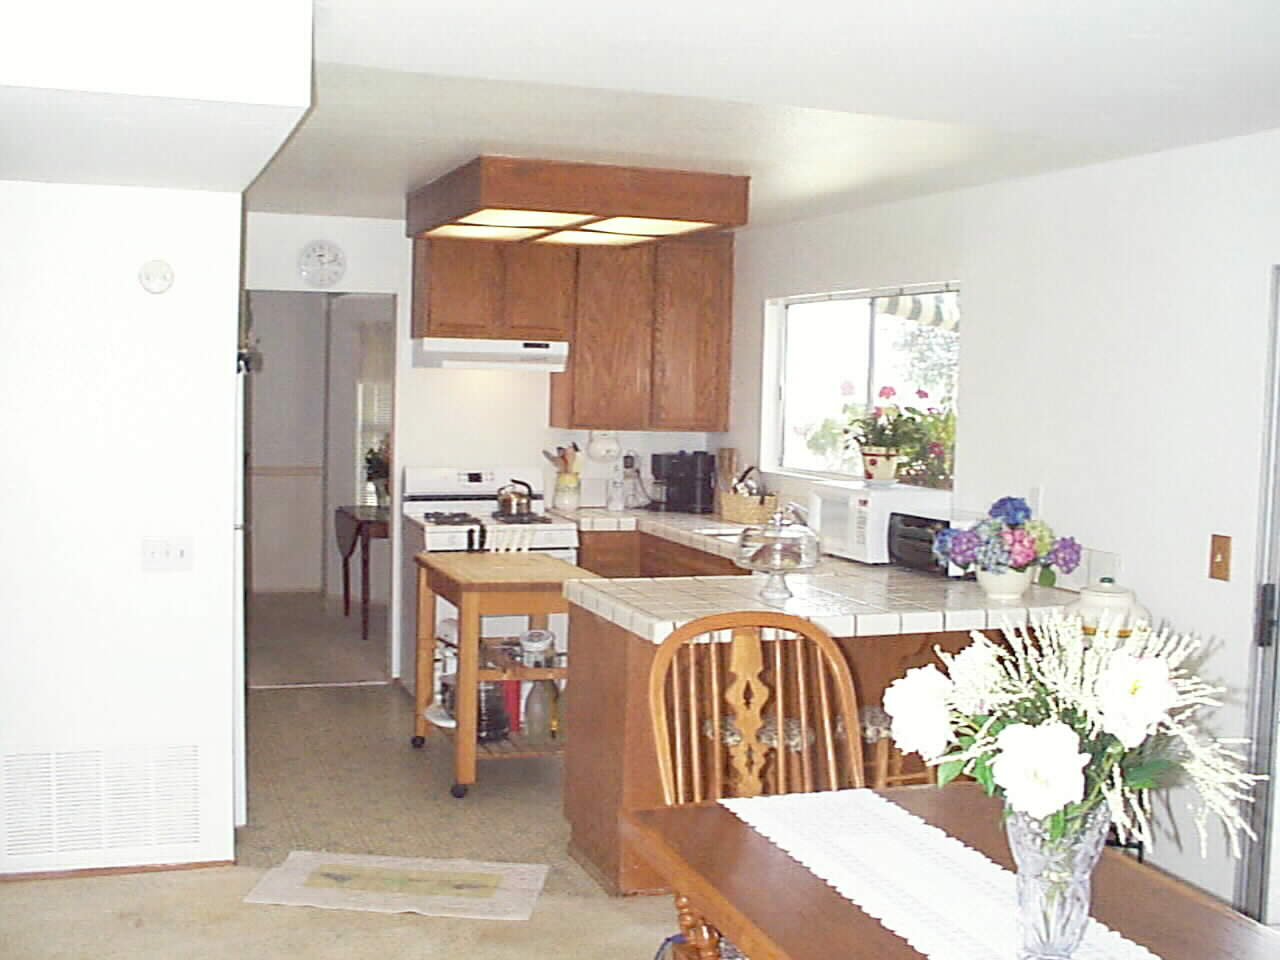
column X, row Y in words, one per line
column 541, row 720
column 540, row 711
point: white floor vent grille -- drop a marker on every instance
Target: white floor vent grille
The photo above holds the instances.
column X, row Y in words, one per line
column 84, row 800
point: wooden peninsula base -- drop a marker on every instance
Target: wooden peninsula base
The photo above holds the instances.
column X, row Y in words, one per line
column 610, row 766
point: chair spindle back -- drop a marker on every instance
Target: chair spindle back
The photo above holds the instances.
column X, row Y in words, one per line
column 750, row 703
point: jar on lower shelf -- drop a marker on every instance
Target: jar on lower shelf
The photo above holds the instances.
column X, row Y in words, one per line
column 492, row 722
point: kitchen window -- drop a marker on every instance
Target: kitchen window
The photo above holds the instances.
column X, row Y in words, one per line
column 837, row 356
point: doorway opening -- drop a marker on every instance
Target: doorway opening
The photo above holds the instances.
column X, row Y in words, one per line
column 318, row 426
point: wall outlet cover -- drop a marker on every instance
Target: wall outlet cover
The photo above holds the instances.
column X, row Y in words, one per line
column 1219, row 557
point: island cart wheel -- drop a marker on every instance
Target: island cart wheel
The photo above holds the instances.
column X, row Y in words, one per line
column 459, row 790
column 417, row 742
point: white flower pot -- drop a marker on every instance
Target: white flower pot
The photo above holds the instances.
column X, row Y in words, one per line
column 880, row 465
column 1005, row 586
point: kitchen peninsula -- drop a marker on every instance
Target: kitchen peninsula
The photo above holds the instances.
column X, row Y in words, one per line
column 885, row 619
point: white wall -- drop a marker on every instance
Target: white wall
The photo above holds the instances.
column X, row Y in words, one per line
column 151, row 93
column 1112, row 352
column 286, row 443
column 119, row 420
column 442, row 417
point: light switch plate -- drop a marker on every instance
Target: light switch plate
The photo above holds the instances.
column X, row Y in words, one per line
column 1219, row 557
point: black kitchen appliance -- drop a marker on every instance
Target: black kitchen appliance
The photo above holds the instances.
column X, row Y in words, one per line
column 911, row 542
column 689, row 480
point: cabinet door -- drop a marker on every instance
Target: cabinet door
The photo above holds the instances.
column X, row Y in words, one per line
column 538, row 291
column 457, row 288
column 610, row 357
column 692, row 324
column 610, row 553
column 663, row 558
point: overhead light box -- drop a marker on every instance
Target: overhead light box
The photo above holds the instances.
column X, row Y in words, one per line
column 544, row 201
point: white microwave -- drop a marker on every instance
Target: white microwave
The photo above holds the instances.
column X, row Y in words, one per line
column 852, row 519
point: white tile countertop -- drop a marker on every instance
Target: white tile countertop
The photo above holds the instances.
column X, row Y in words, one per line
column 705, row 532
column 845, row 598
column 872, row 602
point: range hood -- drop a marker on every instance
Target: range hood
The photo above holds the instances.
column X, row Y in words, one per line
column 547, row 356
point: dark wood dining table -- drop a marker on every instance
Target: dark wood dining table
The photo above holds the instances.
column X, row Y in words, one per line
column 358, row 525
column 773, row 908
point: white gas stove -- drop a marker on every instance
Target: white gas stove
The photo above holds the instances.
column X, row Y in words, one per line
column 456, row 509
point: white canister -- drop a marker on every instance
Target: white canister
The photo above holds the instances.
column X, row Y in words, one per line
column 1106, row 604
column 568, row 493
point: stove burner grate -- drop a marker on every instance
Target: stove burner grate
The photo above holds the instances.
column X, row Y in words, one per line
column 441, row 519
column 521, row 518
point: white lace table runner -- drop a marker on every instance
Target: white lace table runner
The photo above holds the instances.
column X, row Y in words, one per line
column 946, row 899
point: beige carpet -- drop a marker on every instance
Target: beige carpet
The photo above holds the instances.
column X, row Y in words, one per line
column 298, row 638
column 331, row 769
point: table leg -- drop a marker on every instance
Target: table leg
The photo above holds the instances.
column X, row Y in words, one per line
column 347, row 528
column 702, row 940
column 346, row 585
column 424, row 658
column 468, row 692
column 364, row 582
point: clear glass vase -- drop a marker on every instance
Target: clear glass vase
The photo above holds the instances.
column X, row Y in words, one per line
column 1054, row 881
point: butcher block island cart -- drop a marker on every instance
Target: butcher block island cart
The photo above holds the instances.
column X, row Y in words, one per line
column 482, row 585
column 885, row 620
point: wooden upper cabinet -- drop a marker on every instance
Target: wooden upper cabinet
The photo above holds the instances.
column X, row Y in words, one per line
column 607, row 384
column 457, row 288
column 651, row 343
column 693, row 317
column 538, row 291
column 490, row 290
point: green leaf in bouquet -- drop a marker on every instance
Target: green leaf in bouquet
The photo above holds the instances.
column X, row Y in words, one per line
column 948, row 770
column 1147, row 775
column 982, row 773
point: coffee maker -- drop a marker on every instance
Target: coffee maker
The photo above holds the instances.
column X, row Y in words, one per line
column 687, row 479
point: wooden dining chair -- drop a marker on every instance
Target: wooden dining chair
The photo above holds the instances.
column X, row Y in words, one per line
column 750, row 703
column 886, row 766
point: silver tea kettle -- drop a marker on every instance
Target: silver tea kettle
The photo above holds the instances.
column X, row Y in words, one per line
column 513, row 501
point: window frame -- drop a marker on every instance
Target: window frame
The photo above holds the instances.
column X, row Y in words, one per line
column 773, row 385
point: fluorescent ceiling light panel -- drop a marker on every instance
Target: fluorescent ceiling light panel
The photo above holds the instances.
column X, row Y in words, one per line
column 494, row 217
column 474, row 232
column 583, row 237
column 648, row 226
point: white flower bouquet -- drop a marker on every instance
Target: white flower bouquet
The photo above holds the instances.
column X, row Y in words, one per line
column 1058, row 723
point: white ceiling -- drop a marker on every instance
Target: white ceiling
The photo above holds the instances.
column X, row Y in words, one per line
column 824, row 104
column 73, row 136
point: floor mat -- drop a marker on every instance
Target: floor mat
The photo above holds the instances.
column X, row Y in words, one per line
column 433, row 888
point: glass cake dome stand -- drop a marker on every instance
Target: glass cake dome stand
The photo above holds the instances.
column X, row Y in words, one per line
column 781, row 546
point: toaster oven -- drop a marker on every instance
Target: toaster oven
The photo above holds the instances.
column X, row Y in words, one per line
column 853, row 520
column 911, row 542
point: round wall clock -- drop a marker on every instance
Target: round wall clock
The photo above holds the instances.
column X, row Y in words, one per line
column 156, row 276
column 322, row 263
